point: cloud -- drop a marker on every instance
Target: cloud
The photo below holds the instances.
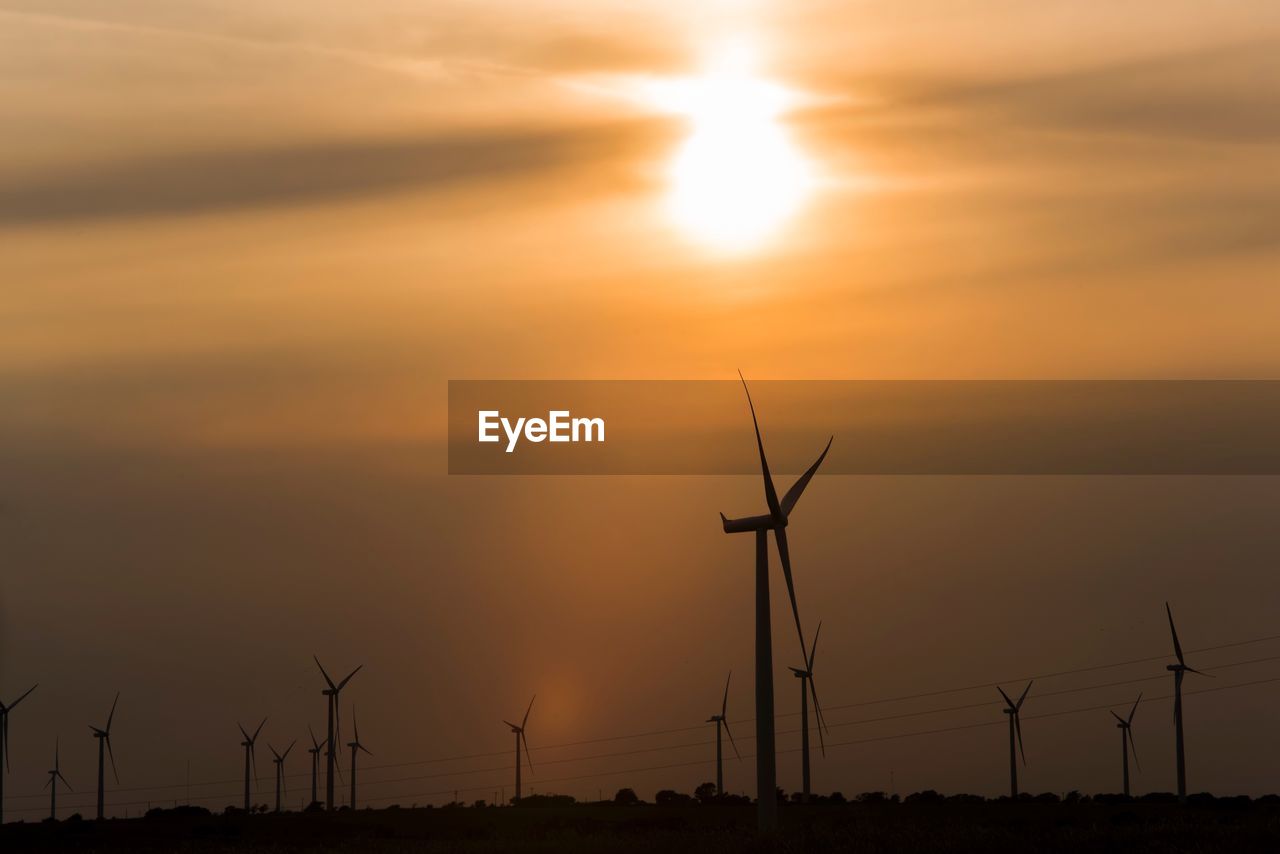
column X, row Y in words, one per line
column 214, row 181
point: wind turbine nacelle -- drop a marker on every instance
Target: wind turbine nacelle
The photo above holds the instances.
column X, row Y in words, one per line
column 750, row 524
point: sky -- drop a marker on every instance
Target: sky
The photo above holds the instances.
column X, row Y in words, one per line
column 246, row 245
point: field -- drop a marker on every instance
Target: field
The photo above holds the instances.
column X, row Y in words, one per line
column 948, row 826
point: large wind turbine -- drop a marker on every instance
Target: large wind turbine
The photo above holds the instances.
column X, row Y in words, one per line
column 805, row 676
column 1014, row 711
column 55, row 774
column 4, row 743
column 1125, row 725
column 775, row 520
column 1178, row 670
column 520, row 739
column 104, row 740
column 278, row 759
column 250, row 761
column 314, row 750
column 721, row 720
column 355, row 747
column 331, row 693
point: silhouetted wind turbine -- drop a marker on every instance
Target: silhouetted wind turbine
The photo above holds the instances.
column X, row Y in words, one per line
column 54, row 776
column 104, row 740
column 775, row 520
column 1014, row 711
column 250, row 761
column 806, row 688
column 520, row 738
column 355, row 746
column 1125, row 726
column 278, row 759
column 315, row 760
column 1178, row 670
column 721, row 720
column 332, row 693
column 4, row 742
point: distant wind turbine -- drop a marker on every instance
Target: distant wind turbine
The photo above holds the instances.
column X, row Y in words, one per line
column 278, row 759
column 250, row 761
column 1179, row 670
column 1014, row 711
column 1125, row 725
column 104, row 740
column 520, row 739
column 775, row 520
column 54, row 776
column 331, row 693
column 806, row 689
column 355, row 746
column 721, row 720
column 4, row 742
column 314, row 750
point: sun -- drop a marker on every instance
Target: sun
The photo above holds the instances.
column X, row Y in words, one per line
column 737, row 176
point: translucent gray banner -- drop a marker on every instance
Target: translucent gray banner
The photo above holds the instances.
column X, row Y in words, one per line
column 879, row 427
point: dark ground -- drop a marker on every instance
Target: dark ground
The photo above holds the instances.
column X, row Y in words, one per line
column 1132, row 828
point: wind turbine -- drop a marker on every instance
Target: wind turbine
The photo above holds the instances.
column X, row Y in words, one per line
column 250, row 761
column 331, row 693
column 806, row 688
column 775, row 520
column 315, row 760
column 278, row 759
column 104, row 740
column 4, row 742
column 355, row 746
column 1014, row 711
column 54, row 776
column 1125, row 726
column 1179, row 670
column 721, row 720
column 520, row 738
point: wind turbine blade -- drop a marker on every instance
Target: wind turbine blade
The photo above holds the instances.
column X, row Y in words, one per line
column 724, row 705
column 111, row 716
column 355, row 724
column 367, row 750
column 1135, row 707
column 48, row 783
column 314, row 742
column 793, row 494
column 770, row 494
column 813, row 650
column 1177, row 647
column 785, row 554
column 1117, row 717
column 1200, row 673
column 112, row 754
column 813, row 692
column 324, row 674
column 817, row 714
column 258, row 730
column 527, row 711
column 1133, row 748
column 510, row 724
column 733, row 743
column 1017, row 725
column 1025, row 691
column 64, row 782
column 242, row 731
column 287, row 749
column 1006, row 696
column 23, row 697
column 525, row 741
column 344, row 682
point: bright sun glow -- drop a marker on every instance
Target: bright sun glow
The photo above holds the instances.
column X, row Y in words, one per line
column 737, row 177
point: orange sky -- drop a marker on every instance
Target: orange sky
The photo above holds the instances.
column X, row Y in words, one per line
column 245, row 245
